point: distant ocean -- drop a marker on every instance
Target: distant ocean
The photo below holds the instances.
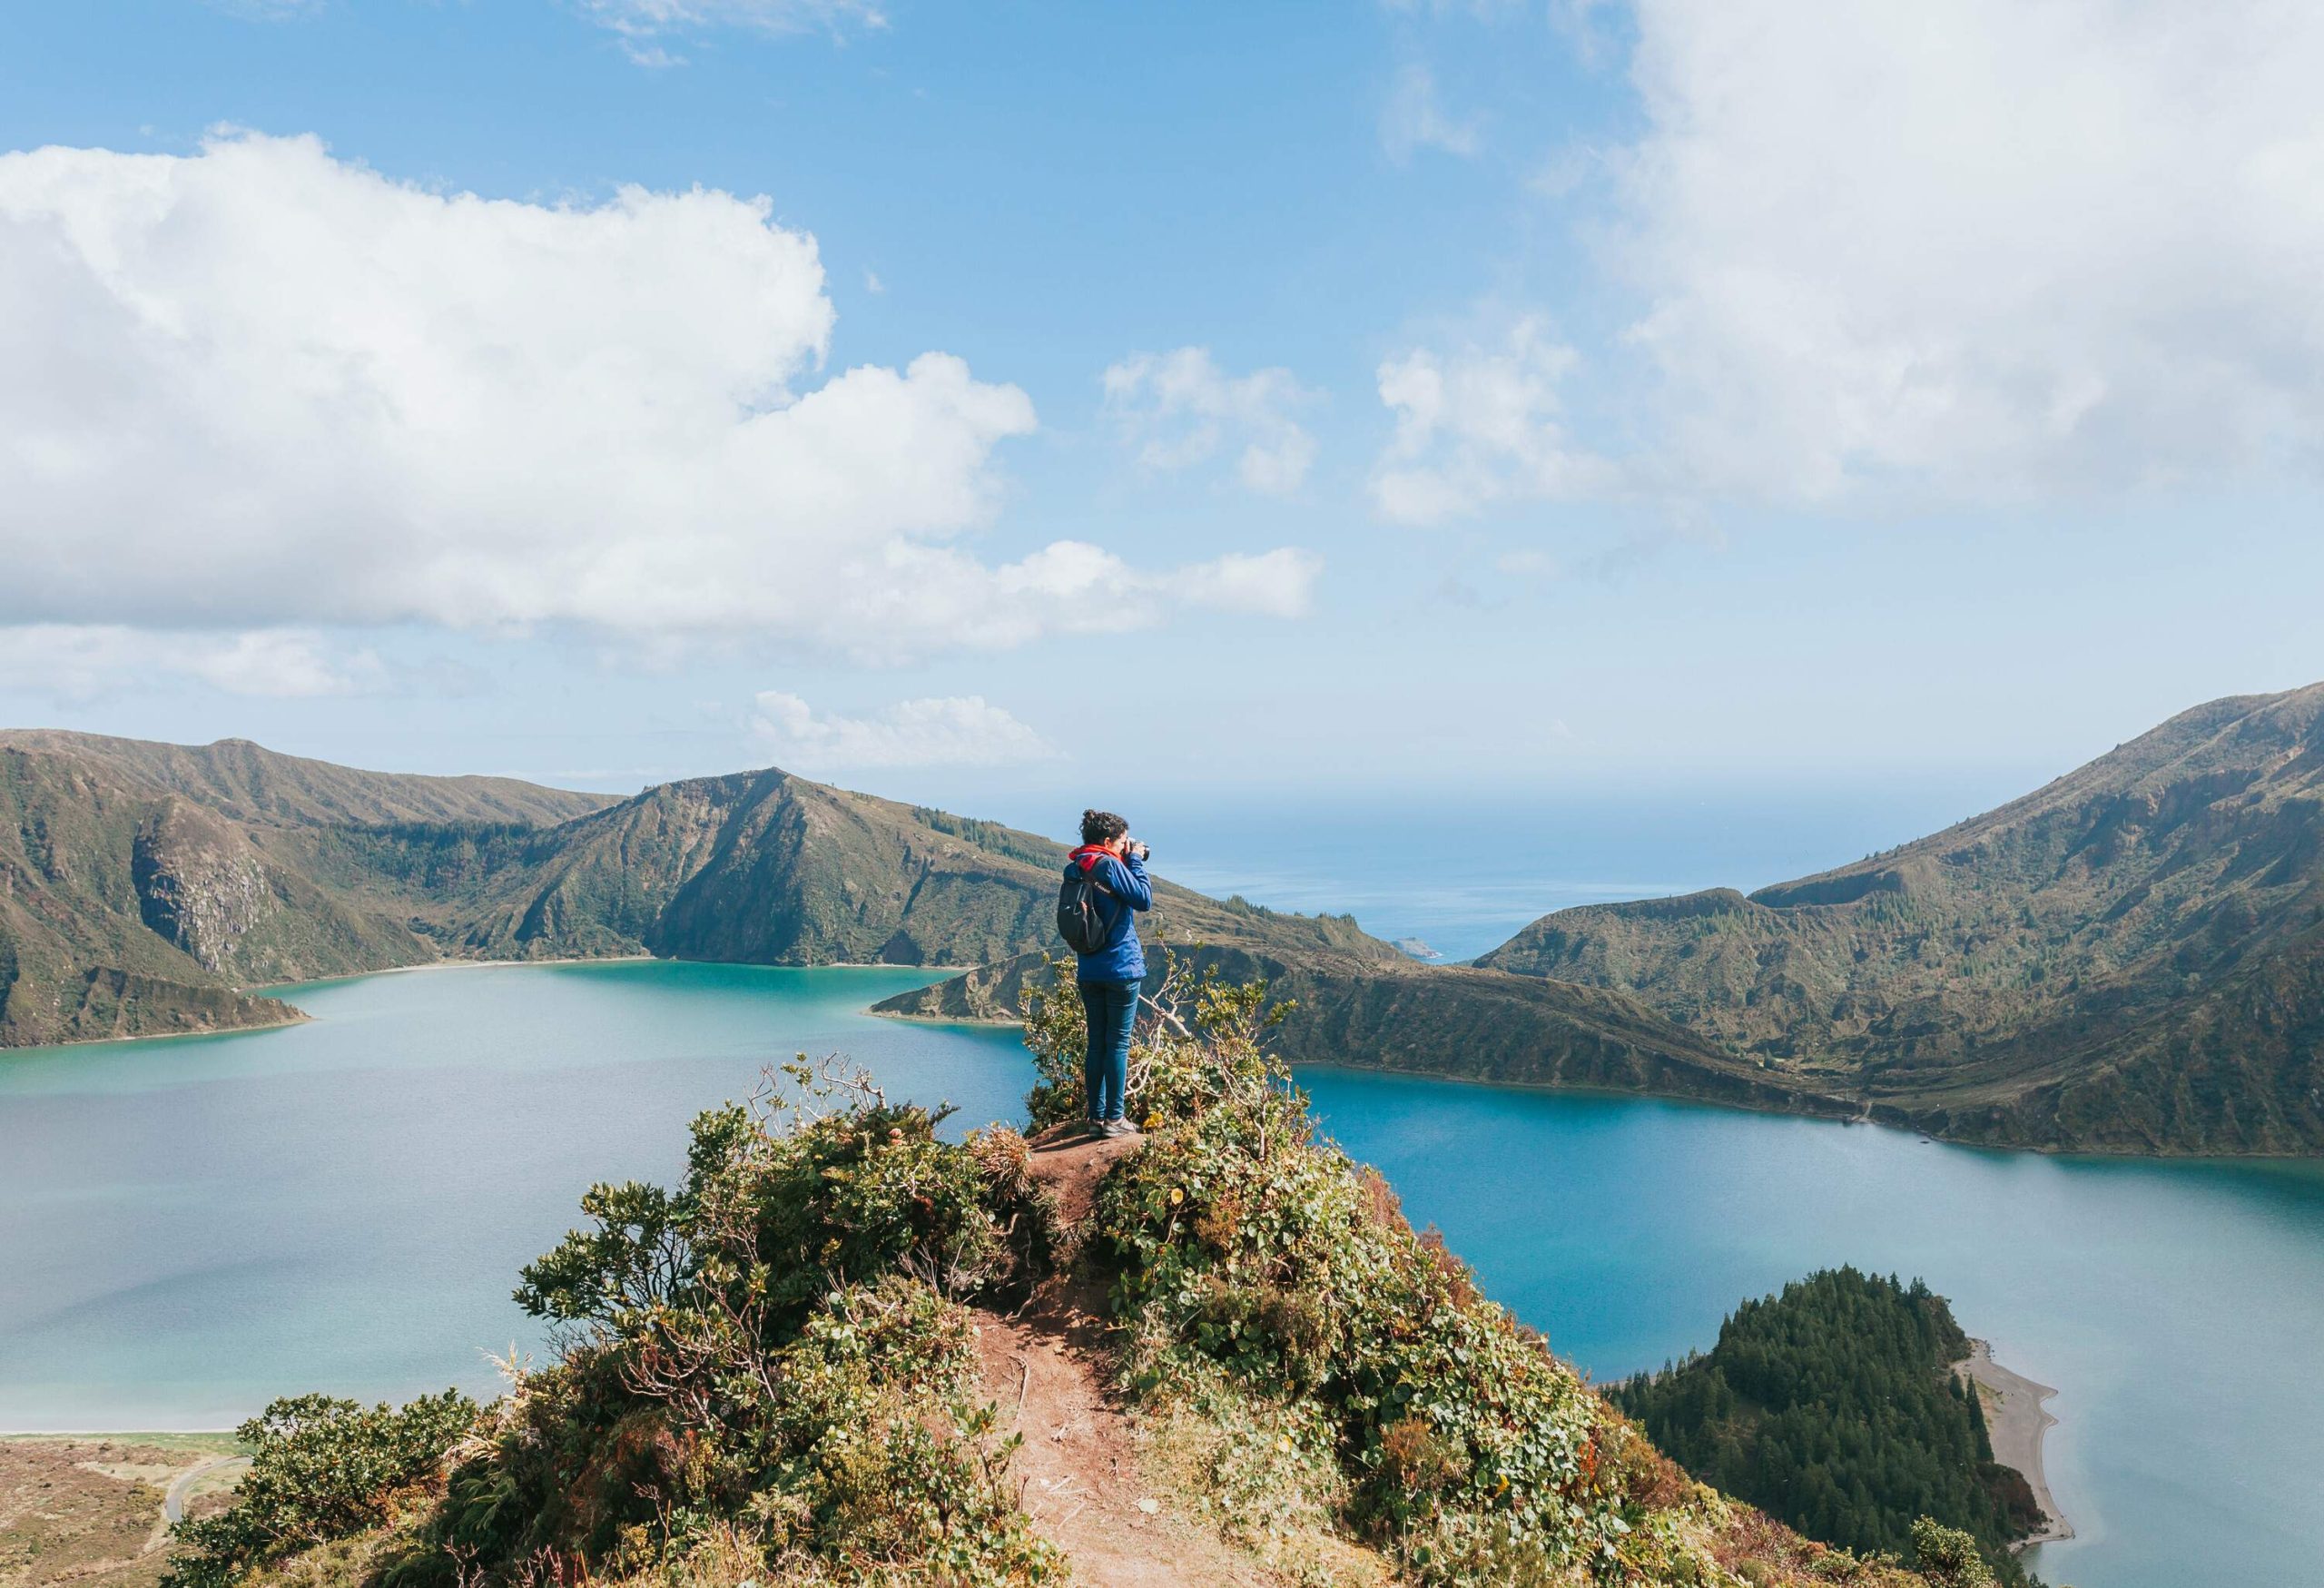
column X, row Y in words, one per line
column 1462, row 875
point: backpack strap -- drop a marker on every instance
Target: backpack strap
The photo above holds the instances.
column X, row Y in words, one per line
column 1090, row 871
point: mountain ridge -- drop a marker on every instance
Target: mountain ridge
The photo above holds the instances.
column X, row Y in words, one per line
column 143, row 888
column 2130, row 957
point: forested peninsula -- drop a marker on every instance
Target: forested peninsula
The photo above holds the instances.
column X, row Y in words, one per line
column 1835, row 1408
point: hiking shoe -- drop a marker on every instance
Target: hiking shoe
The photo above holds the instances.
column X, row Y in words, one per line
column 1121, row 1128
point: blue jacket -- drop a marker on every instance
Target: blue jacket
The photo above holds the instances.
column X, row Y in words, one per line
column 1125, row 891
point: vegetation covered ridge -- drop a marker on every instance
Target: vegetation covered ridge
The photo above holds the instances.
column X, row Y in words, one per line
column 768, row 1375
column 2129, row 959
column 145, row 887
column 1835, row 1408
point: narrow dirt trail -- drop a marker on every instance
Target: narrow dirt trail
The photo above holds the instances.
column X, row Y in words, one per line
column 1077, row 1473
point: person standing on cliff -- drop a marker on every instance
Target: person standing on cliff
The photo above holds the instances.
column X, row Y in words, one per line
column 1111, row 975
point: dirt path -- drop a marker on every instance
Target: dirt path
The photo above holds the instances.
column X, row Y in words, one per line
column 2015, row 1422
column 181, row 1488
column 1077, row 1473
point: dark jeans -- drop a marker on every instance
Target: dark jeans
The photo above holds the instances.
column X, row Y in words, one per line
column 1111, row 1009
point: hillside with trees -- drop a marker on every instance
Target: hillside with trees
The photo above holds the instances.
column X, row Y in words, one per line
column 1833, row 1406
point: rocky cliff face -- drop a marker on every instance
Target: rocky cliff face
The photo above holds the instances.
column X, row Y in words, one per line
column 200, row 885
column 128, row 908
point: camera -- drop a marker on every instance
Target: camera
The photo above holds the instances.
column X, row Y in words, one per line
column 1140, row 849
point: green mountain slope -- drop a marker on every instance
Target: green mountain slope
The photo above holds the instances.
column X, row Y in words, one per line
column 2130, row 958
column 248, row 783
column 109, row 897
column 766, row 868
column 142, row 885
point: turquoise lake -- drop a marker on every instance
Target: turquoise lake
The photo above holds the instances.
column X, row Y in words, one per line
column 190, row 1227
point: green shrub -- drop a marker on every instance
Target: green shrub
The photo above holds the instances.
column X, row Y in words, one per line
column 766, row 1363
column 1948, row 1557
column 320, row 1469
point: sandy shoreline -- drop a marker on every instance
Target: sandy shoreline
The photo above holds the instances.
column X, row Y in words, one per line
column 444, row 964
column 2015, row 1421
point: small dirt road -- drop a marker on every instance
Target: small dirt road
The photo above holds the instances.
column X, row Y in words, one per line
column 181, row 1488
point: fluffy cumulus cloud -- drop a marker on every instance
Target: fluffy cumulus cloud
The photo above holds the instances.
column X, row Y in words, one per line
column 1986, row 246
column 1414, row 118
column 950, row 731
column 262, row 388
column 1180, row 409
column 1481, row 423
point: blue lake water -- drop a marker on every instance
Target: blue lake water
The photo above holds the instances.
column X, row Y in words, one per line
column 190, row 1227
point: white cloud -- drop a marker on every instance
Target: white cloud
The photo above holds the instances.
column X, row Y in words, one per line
column 1986, row 247
column 1481, row 424
column 1070, row 587
column 644, row 18
column 261, row 387
column 1274, row 584
column 950, row 731
column 1180, row 407
column 1414, row 119
column 79, row 661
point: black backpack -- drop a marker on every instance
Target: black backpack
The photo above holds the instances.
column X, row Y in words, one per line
column 1081, row 918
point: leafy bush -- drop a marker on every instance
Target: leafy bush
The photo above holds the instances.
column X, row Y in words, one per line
column 1948, row 1557
column 320, row 1469
column 769, row 1363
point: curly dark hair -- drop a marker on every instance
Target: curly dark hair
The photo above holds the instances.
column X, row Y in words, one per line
column 1101, row 827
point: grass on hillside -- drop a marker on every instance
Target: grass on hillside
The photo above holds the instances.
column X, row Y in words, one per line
column 222, row 1442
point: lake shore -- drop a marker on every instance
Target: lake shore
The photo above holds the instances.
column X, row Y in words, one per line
column 2015, row 1421
column 936, row 972
column 445, row 964
column 299, row 1017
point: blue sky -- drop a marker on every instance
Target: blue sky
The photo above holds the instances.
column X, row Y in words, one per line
column 1486, row 398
